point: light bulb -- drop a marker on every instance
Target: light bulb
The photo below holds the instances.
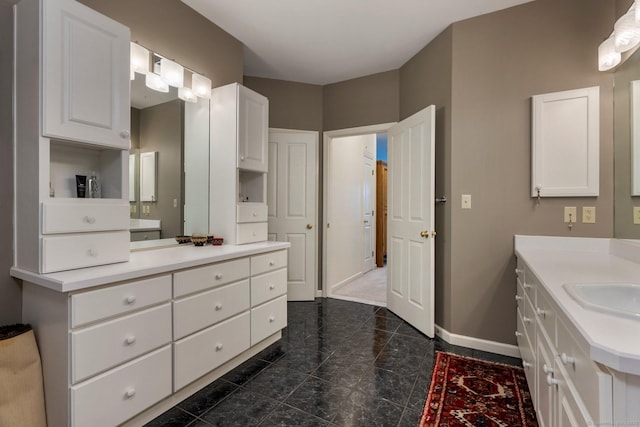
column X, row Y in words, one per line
column 171, row 73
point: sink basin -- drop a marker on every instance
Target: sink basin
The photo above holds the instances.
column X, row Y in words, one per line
column 622, row 299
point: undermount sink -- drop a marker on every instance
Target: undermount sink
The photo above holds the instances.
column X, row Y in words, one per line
column 622, row 299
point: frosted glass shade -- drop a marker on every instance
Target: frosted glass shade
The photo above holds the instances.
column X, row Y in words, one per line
column 201, row 86
column 608, row 57
column 153, row 81
column 187, row 94
column 139, row 59
column 171, row 73
column 626, row 31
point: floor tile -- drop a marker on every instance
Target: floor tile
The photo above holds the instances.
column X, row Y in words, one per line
column 387, row 385
column 241, row 408
column 276, row 382
column 175, row 417
column 410, row 417
column 319, row 397
column 287, row 416
column 362, row 409
column 245, row 371
column 208, row 397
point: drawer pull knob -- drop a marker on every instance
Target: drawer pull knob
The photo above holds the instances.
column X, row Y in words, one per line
column 255, row 214
column 526, row 319
column 130, row 393
column 130, row 299
column 551, row 380
column 130, row 340
column 218, row 307
column 528, row 286
column 526, row 364
column 540, row 312
column 567, row 360
column 272, row 263
column 519, row 271
column 92, row 252
column 518, row 334
column 124, row 134
column 242, row 158
column 546, row 369
column 218, row 276
column 272, row 319
column 89, row 219
column 218, row 347
column 519, row 298
column 272, row 287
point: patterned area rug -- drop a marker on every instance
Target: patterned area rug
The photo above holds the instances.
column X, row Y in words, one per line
column 472, row 393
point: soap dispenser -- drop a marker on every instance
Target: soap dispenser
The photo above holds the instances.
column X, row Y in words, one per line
column 93, row 186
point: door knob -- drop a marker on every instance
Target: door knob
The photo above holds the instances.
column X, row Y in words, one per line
column 309, row 226
column 433, row 234
column 424, row 234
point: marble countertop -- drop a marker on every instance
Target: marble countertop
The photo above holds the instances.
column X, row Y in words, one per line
column 613, row 341
column 144, row 263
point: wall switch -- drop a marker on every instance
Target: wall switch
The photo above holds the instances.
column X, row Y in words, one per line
column 466, row 201
column 570, row 214
column 636, row 214
column 589, row 214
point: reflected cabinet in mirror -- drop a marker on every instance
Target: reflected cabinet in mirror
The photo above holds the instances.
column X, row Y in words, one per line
column 173, row 199
column 627, row 148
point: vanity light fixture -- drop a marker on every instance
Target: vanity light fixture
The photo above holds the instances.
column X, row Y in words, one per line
column 171, row 73
column 608, row 57
column 626, row 31
column 201, row 86
column 153, row 81
column 139, row 60
column 187, row 94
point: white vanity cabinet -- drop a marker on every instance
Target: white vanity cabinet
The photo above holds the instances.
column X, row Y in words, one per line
column 239, row 147
column 72, row 118
column 567, row 387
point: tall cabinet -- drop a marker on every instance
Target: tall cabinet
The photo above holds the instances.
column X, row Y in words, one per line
column 239, row 143
column 72, row 118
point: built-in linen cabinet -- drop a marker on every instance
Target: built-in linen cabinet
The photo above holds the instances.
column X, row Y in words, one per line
column 72, row 118
column 239, row 141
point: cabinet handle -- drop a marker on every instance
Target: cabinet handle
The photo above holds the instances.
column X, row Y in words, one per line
column 92, row 252
column 130, row 299
column 272, row 319
column 242, row 158
column 130, row 393
column 255, row 214
column 130, row 340
column 528, row 286
column 540, row 312
column 218, row 307
column 272, row 263
column 551, row 380
column 519, row 271
column 124, row 134
column 526, row 319
column 89, row 219
column 272, row 287
column 218, row 347
column 567, row 360
column 518, row 334
column 218, row 276
column 526, row 364
column 546, row 369
column 519, row 298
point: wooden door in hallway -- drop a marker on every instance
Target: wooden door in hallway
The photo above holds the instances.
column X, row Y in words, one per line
column 381, row 209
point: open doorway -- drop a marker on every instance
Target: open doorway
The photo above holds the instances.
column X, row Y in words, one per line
column 355, row 233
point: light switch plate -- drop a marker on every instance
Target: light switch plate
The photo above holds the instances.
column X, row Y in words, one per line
column 636, row 214
column 588, row 215
column 466, row 201
column 570, row 214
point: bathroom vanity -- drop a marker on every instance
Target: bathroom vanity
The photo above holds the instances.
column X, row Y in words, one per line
column 581, row 356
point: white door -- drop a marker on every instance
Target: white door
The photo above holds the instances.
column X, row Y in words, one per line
column 291, row 200
column 411, row 233
column 368, row 219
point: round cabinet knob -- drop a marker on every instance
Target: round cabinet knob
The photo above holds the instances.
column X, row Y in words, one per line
column 89, row 219
column 92, row 252
column 309, row 226
column 130, row 393
column 546, row 369
column 254, row 234
column 551, row 380
column 518, row 271
column 272, row 263
column 255, row 214
column 242, row 158
column 540, row 312
column 218, row 347
column 272, row 319
column 519, row 298
column 526, row 364
column 567, row 360
column 526, row 319
column 218, row 276
column 518, row 334
column 218, row 307
column 272, row 286
column 130, row 299
column 130, row 340
column 124, row 134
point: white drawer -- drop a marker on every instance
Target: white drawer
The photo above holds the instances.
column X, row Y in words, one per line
column 198, row 311
column 527, row 354
column 90, row 306
column 546, row 314
column 529, row 320
column 251, row 232
column 268, row 286
column 105, row 345
column 64, row 252
column 117, row 395
column 268, row 318
column 198, row 279
column 268, row 262
column 206, row 350
column 84, row 217
column 251, row 212
column 139, row 236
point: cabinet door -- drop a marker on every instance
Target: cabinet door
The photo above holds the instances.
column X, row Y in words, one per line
column 546, row 389
column 253, row 123
column 85, row 74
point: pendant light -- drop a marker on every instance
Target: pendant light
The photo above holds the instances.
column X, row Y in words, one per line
column 626, row 31
column 201, row 86
column 139, row 60
column 608, row 57
column 187, row 94
column 171, row 73
column 153, row 81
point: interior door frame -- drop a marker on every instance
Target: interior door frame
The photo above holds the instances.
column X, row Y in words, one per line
column 326, row 140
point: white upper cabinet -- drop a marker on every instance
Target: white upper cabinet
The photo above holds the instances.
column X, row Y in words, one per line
column 85, row 90
column 253, row 124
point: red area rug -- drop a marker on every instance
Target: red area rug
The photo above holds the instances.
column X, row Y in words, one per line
column 468, row 392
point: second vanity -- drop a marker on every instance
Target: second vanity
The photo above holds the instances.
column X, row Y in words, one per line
column 582, row 364
column 122, row 343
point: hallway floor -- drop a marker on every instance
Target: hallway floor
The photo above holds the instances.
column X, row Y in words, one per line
column 370, row 288
column 339, row 363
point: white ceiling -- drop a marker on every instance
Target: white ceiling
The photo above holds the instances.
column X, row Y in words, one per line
column 326, row 41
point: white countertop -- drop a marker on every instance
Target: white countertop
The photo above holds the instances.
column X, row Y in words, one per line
column 144, row 263
column 614, row 341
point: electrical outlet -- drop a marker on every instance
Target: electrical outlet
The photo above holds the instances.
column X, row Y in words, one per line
column 636, row 214
column 133, row 209
column 570, row 214
column 175, row 203
column 588, row 215
column 466, row 201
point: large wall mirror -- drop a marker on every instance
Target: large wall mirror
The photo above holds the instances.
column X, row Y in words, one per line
column 178, row 133
column 626, row 168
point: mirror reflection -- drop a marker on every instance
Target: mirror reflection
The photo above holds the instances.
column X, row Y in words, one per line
column 178, row 133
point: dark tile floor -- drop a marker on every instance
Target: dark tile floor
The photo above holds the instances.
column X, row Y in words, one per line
column 339, row 363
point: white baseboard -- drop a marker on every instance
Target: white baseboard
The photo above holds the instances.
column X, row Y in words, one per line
column 477, row 343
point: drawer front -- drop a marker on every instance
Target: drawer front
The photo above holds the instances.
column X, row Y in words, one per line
column 520, row 295
column 139, row 236
column 268, row 318
column 268, row 262
column 206, row 350
column 527, row 354
column 530, row 283
column 119, row 394
column 83, row 250
column 105, row 345
column 570, row 413
column 520, row 270
column 84, row 217
column 90, row 306
column 251, row 232
column 529, row 320
column 252, row 212
column 592, row 384
column 190, row 314
column 545, row 313
column 268, row 286
column 200, row 279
